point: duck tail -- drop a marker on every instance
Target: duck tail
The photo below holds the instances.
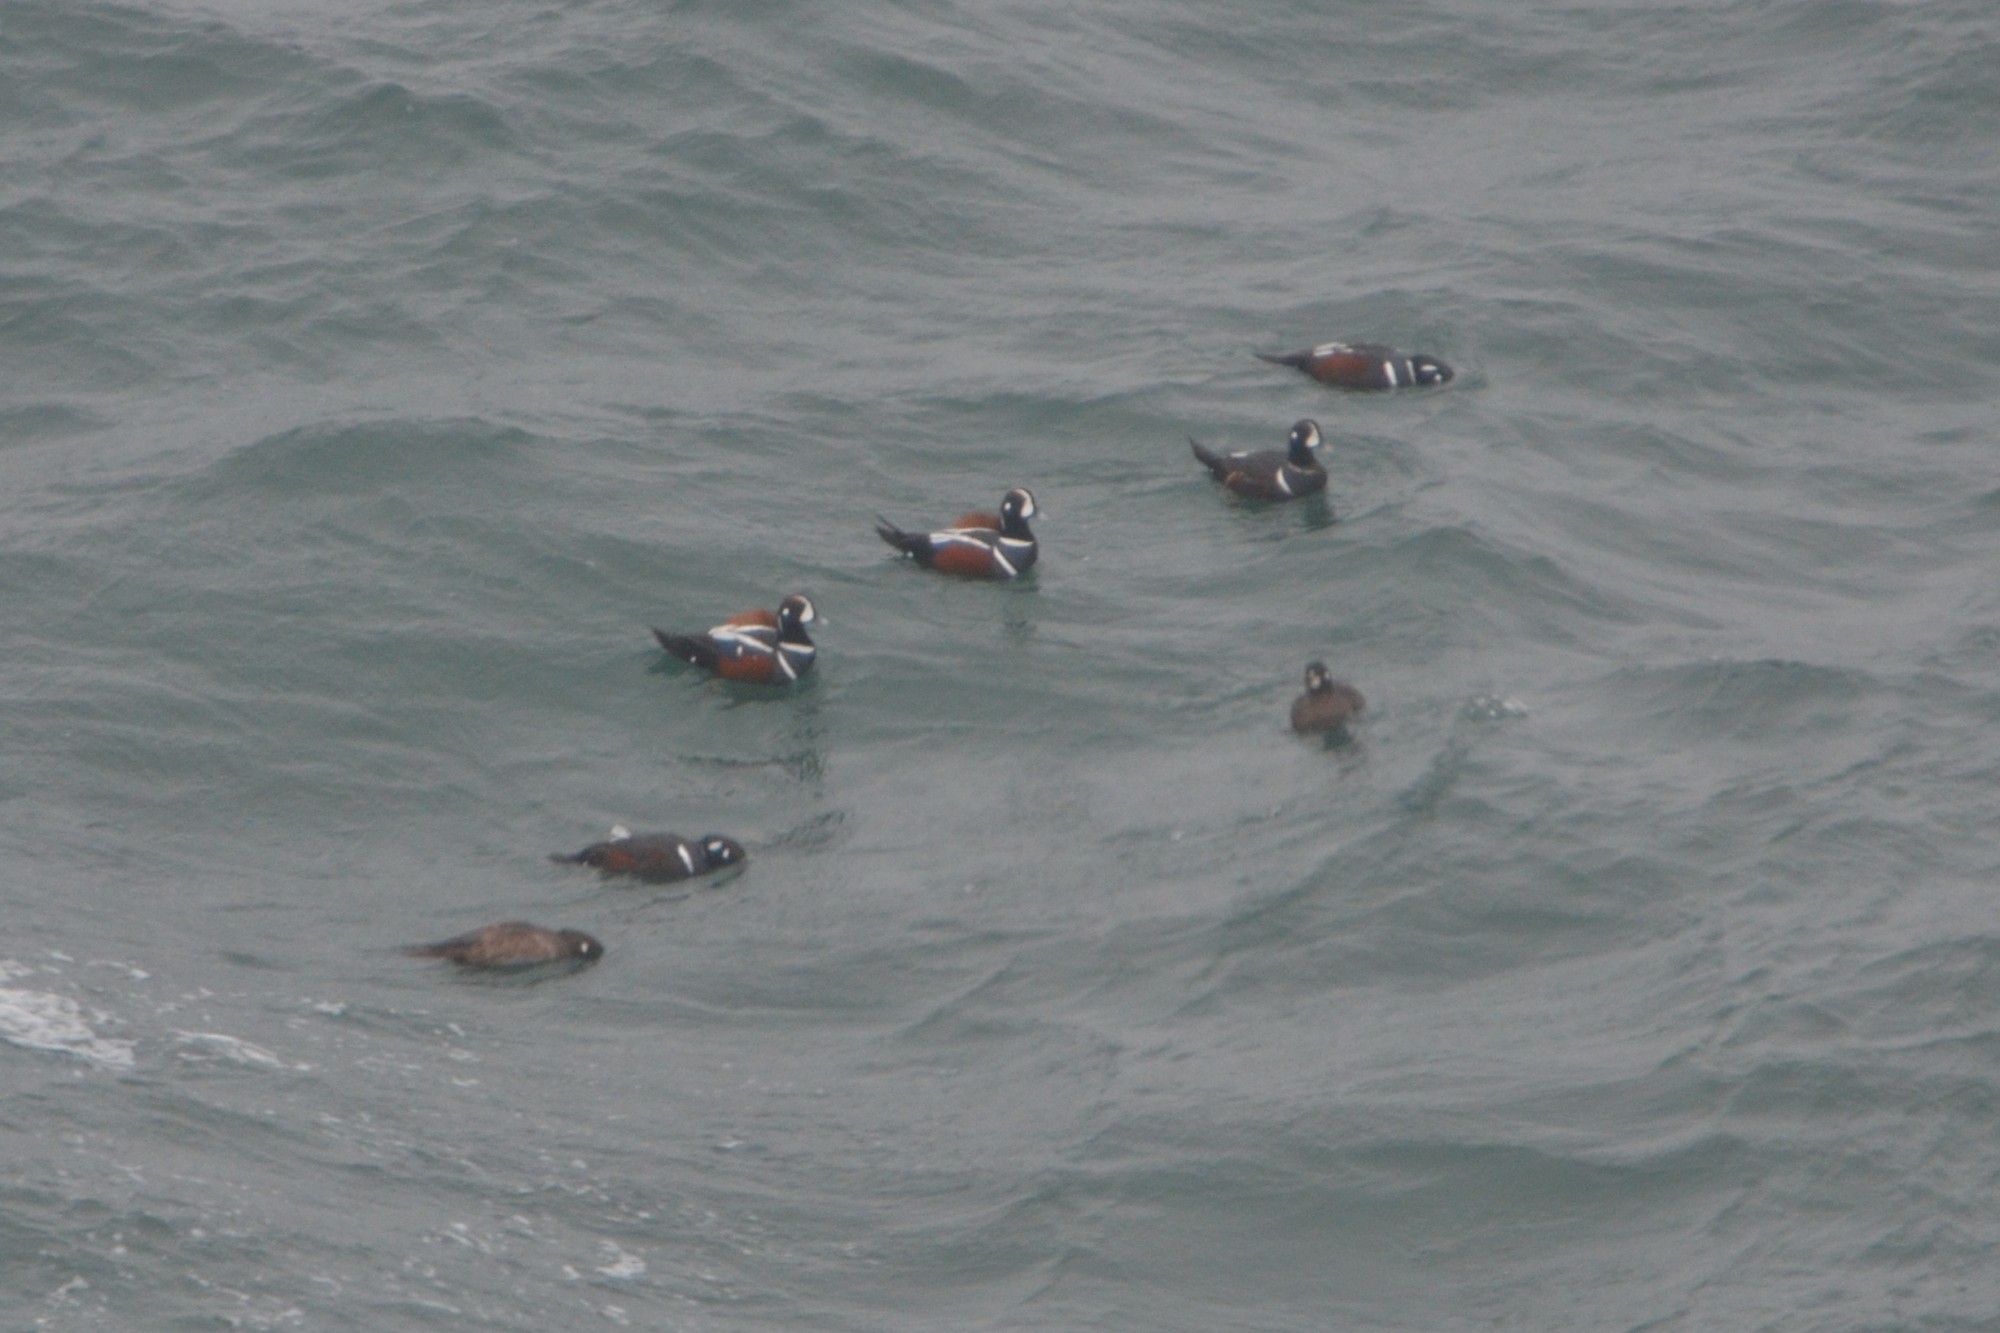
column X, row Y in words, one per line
column 909, row 543
column 687, row 647
column 1208, row 458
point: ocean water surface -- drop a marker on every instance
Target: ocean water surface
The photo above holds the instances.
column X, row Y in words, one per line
column 377, row 376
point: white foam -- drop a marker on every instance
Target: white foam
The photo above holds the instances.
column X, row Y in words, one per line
column 623, row 1263
column 1493, row 708
column 222, row 1046
column 44, row 1021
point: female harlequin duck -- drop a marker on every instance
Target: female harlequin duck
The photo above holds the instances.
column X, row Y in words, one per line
column 1364, row 366
column 979, row 546
column 1268, row 474
column 1327, row 704
column 757, row 646
column 512, row 944
column 657, row 856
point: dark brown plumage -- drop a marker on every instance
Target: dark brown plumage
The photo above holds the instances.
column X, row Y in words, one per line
column 512, row 944
column 1327, row 704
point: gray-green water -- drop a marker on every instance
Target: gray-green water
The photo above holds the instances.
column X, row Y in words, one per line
column 373, row 376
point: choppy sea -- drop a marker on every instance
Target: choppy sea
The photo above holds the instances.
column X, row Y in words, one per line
column 374, row 376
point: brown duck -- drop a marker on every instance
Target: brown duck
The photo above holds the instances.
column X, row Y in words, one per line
column 512, row 944
column 1327, row 704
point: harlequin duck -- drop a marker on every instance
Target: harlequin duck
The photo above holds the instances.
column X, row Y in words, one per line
column 757, row 646
column 512, row 944
column 1364, row 366
column 979, row 546
column 1327, row 704
column 657, row 856
column 1268, row 474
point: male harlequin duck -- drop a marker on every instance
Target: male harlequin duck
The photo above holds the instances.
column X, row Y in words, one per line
column 757, row 646
column 1364, row 366
column 512, row 944
column 657, row 856
column 1268, row 474
column 979, row 546
column 1327, row 704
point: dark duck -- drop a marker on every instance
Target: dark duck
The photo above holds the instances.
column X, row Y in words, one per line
column 512, row 944
column 1327, row 704
column 1270, row 474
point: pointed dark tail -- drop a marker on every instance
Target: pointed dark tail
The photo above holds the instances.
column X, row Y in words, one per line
column 1209, row 459
column 909, row 543
column 686, row 647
